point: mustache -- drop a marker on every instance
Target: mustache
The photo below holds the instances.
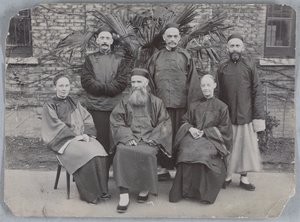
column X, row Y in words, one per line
column 104, row 44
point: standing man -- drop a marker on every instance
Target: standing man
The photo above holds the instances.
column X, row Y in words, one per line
column 140, row 127
column 238, row 86
column 175, row 78
column 104, row 79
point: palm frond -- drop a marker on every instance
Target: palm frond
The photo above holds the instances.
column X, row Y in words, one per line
column 75, row 40
column 185, row 16
column 213, row 27
column 119, row 26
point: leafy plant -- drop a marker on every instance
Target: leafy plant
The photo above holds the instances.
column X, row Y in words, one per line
column 264, row 136
column 139, row 34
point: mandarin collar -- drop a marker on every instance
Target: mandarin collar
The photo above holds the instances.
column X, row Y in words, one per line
column 171, row 49
column 105, row 52
column 207, row 99
column 60, row 99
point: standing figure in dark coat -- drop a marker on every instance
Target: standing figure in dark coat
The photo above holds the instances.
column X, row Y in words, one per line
column 104, row 78
column 238, row 86
column 201, row 144
column 140, row 126
column 175, row 79
column 68, row 129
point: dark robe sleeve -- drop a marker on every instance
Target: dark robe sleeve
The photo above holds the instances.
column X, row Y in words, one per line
column 162, row 133
column 221, row 134
column 184, row 128
column 96, row 88
column 120, row 131
column 55, row 133
column 119, row 83
column 257, row 97
column 217, row 79
column 193, row 84
column 89, row 126
column 88, row 80
column 150, row 66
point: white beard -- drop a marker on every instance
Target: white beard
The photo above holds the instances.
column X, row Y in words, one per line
column 138, row 97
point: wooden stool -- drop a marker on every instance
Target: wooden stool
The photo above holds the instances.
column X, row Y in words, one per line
column 57, row 178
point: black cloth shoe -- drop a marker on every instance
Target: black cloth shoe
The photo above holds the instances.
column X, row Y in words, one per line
column 249, row 187
column 164, row 176
column 205, row 202
column 94, row 202
column 226, row 183
column 105, row 197
column 142, row 199
column 122, row 209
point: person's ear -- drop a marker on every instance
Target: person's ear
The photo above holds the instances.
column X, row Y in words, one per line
column 227, row 49
column 243, row 48
column 164, row 37
column 215, row 85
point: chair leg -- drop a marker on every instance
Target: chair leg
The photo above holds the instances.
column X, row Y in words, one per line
column 68, row 185
column 57, row 176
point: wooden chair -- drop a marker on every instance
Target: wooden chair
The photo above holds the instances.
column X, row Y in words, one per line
column 57, row 178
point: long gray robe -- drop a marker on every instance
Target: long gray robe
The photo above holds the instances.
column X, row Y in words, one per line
column 135, row 166
column 62, row 121
column 200, row 162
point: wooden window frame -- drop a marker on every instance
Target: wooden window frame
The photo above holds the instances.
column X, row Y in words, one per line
column 19, row 40
column 281, row 51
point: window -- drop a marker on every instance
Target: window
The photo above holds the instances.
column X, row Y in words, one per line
column 18, row 41
column 280, row 32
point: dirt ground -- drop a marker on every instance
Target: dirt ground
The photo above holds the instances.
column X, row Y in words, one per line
column 31, row 153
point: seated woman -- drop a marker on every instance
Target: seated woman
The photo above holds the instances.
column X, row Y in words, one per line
column 201, row 145
column 68, row 129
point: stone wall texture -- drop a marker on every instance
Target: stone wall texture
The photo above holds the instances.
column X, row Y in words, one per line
column 29, row 85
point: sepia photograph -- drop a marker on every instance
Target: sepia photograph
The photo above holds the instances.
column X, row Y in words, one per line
column 150, row 110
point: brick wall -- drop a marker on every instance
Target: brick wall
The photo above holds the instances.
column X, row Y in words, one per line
column 30, row 85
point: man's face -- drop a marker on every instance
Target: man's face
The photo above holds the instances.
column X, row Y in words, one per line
column 104, row 40
column 62, row 87
column 235, row 48
column 171, row 37
column 207, row 86
column 138, row 82
column 139, row 94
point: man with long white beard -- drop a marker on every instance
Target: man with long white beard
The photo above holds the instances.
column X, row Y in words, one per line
column 140, row 127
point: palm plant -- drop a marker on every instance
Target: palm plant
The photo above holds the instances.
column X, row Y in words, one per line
column 138, row 37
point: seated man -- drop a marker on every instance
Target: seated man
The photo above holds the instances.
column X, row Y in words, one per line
column 140, row 127
column 201, row 144
column 68, row 129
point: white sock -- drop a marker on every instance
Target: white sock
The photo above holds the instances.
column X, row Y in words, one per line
column 244, row 180
column 161, row 170
column 143, row 193
column 228, row 178
column 124, row 199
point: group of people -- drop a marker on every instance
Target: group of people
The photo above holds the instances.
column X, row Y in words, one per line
column 206, row 127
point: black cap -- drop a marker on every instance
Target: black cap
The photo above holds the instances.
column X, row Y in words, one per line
column 235, row 36
column 172, row 25
column 140, row 72
column 105, row 29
